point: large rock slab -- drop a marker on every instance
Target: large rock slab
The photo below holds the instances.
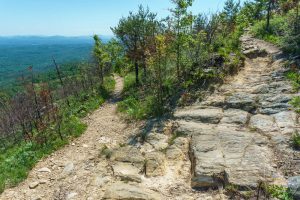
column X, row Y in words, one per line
column 129, row 154
column 155, row 164
column 223, row 156
column 127, row 172
column 271, row 104
column 123, row 191
column 263, row 123
column 205, row 115
column 242, row 101
column 286, row 121
column 158, row 141
column 235, row 116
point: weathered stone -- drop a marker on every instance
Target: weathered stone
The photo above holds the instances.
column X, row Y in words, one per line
column 206, row 115
column 68, row 168
column 243, row 101
column 214, row 100
column 101, row 181
column 44, row 169
column 155, row 164
column 223, row 155
column 286, row 121
column 294, row 186
column 264, row 123
column 158, row 141
column 127, row 172
column 33, row 185
column 129, row 154
column 146, row 148
column 254, row 53
column 235, row 116
column 181, row 143
column 190, row 127
column 261, row 89
column 123, row 191
column 71, row 195
column 174, row 154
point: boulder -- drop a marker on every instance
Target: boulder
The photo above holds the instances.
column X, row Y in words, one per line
column 155, row 164
column 123, row 191
column 127, row 172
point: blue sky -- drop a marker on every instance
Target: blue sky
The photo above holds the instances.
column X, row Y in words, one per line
column 78, row 17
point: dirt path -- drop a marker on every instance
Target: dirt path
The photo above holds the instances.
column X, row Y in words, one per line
column 73, row 170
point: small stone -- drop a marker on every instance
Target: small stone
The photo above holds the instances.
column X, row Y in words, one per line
column 43, row 181
column 101, row 181
column 71, row 195
column 68, row 168
column 44, row 169
column 73, row 144
column 85, row 146
column 33, row 185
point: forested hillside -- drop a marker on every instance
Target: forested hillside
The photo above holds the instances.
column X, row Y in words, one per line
column 170, row 63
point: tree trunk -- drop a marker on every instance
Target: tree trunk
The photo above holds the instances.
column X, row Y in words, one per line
column 136, row 72
column 269, row 16
column 61, row 81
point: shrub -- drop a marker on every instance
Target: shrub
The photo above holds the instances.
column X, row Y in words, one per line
column 296, row 141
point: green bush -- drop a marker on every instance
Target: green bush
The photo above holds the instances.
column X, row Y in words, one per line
column 296, row 141
column 279, row 192
column 278, row 26
column 294, row 77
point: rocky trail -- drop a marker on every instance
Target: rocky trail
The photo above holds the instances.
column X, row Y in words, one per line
column 238, row 136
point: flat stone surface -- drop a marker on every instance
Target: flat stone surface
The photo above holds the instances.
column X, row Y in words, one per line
column 124, row 191
column 205, row 115
column 129, row 154
column 264, row 123
column 235, row 116
column 155, row 164
column 127, row 172
column 158, row 141
column 225, row 156
column 242, row 101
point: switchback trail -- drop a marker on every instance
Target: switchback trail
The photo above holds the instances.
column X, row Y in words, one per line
column 238, row 136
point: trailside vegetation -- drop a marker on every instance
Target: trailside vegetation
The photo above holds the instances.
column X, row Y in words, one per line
column 44, row 113
column 169, row 60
